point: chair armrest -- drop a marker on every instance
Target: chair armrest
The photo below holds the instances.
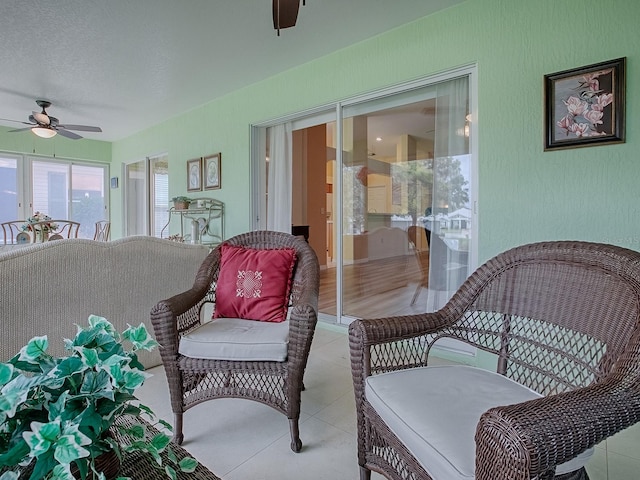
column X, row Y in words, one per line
column 167, row 324
column 524, row 440
column 364, row 334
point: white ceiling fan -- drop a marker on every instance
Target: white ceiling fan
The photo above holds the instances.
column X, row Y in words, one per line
column 46, row 126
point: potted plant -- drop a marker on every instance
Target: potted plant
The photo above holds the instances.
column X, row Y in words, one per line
column 58, row 415
column 181, row 202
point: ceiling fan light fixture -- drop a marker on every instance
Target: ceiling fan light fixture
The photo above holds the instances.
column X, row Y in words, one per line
column 44, row 132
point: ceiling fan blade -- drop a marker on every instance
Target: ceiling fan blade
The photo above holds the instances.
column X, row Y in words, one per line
column 19, row 130
column 15, row 121
column 68, row 134
column 285, row 13
column 81, row 128
column 41, row 118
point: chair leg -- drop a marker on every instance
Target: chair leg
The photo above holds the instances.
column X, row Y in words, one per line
column 178, row 436
column 296, row 443
column 365, row 473
column 417, row 292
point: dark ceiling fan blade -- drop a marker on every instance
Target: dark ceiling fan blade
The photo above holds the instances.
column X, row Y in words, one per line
column 285, row 13
column 15, row 121
column 20, row 130
column 68, row 134
column 81, row 128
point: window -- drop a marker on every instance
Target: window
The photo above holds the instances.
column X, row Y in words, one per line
column 62, row 189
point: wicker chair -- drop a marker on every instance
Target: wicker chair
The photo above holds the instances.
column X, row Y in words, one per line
column 277, row 384
column 561, row 318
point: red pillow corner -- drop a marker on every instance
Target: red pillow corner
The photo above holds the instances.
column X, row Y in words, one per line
column 254, row 284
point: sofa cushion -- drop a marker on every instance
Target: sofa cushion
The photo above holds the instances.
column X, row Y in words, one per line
column 254, row 284
column 237, row 339
column 438, row 424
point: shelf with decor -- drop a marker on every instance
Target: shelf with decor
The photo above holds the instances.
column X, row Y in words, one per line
column 202, row 221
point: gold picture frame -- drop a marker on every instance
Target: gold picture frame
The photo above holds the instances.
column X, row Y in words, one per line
column 212, row 171
column 194, row 175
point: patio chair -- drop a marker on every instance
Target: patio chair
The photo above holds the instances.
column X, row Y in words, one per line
column 262, row 361
column 561, row 321
column 102, row 231
column 11, row 230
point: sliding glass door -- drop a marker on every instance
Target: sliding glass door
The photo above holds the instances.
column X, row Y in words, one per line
column 146, row 189
column 385, row 185
column 406, row 200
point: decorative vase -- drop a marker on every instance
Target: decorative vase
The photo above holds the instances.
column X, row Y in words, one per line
column 40, row 236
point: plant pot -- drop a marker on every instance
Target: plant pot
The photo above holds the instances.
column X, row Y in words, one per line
column 181, row 205
column 107, row 463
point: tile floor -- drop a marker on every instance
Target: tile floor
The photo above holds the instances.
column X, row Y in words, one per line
column 243, row 440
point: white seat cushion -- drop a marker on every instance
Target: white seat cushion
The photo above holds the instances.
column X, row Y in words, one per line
column 435, row 412
column 237, row 339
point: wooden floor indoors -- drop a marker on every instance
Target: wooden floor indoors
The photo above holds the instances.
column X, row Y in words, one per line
column 375, row 289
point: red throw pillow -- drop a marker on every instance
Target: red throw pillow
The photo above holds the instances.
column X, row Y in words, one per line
column 254, row 284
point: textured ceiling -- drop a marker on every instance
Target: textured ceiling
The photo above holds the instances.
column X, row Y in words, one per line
column 125, row 65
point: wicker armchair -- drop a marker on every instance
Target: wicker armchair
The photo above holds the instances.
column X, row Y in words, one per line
column 560, row 318
column 274, row 383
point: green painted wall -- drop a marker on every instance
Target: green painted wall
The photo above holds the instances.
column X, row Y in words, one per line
column 28, row 143
column 525, row 194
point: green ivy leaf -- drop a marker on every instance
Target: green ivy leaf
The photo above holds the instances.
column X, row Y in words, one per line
column 140, row 338
column 188, row 464
column 68, row 449
column 41, row 437
column 170, row 472
column 133, row 379
column 9, row 475
column 97, row 382
column 68, row 367
column 160, row 441
column 6, row 372
column 89, row 356
column 172, row 456
column 62, row 472
column 57, row 408
column 36, row 348
column 165, row 424
column 95, row 321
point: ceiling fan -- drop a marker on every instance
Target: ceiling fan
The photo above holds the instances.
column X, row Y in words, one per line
column 46, row 126
column 285, row 13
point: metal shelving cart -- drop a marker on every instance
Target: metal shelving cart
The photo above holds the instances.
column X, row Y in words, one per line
column 202, row 222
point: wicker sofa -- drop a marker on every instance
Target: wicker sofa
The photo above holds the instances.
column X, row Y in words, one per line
column 45, row 289
column 561, row 324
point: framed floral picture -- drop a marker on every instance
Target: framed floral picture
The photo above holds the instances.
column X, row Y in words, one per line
column 585, row 106
column 194, row 175
column 212, row 171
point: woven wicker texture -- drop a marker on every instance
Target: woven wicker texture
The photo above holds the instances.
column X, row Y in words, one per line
column 49, row 288
column 562, row 319
column 138, row 465
column 277, row 384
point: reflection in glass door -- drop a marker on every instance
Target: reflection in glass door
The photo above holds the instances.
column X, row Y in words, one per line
column 406, row 200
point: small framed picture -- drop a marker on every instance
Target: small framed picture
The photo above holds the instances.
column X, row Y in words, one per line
column 585, row 106
column 194, row 175
column 212, row 171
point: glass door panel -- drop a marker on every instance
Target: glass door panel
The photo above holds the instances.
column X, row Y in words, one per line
column 406, row 217
column 135, row 190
